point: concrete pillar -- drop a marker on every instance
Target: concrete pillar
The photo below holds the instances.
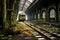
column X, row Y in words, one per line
column 11, row 12
column 4, row 13
column 32, row 16
column 40, row 16
column 47, row 16
column 37, row 15
column 1, row 11
column 59, row 12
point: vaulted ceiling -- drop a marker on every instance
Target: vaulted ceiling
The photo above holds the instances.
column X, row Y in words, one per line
column 24, row 4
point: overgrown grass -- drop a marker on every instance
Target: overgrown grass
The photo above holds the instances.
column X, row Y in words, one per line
column 49, row 28
column 24, row 29
column 5, row 37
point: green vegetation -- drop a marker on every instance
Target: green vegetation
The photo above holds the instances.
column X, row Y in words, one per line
column 5, row 37
column 22, row 28
column 50, row 28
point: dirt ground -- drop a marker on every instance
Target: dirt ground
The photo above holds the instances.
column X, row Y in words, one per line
column 26, row 33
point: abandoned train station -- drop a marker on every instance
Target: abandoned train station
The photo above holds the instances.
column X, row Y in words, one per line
column 29, row 19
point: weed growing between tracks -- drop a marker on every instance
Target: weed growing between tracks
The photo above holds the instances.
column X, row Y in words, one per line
column 50, row 28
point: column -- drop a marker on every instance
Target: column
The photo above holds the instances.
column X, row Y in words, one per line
column 36, row 15
column 4, row 13
column 57, row 11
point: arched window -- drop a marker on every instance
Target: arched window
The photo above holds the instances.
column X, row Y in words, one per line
column 43, row 14
column 38, row 16
column 52, row 13
column 35, row 16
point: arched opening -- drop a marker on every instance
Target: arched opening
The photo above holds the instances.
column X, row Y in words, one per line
column 43, row 15
column 52, row 15
column 35, row 16
column 38, row 16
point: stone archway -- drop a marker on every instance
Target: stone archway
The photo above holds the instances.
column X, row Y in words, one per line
column 43, row 15
column 52, row 14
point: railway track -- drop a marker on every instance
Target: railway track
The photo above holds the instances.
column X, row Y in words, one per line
column 42, row 33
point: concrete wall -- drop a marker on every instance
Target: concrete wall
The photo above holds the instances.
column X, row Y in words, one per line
column 52, row 5
column 59, row 11
column 47, row 9
column 43, row 10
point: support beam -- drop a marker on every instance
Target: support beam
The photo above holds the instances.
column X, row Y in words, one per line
column 4, row 13
column 56, row 11
column 11, row 12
